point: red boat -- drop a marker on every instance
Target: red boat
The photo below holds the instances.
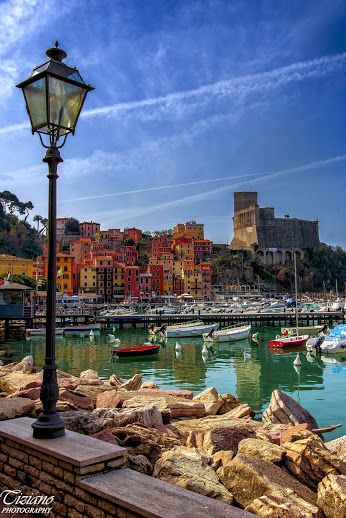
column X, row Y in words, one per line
column 288, row 341
column 137, row 351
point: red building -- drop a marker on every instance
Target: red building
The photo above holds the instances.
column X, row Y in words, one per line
column 130, row 255
column 158, row 244
column 133, row 233
column 202, row 248
column 89, row 228
column 156, row 278
column 132, row 282
column 145, row 284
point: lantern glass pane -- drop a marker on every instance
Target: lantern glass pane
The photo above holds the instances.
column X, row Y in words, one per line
column 35, row 96
column 65, row 102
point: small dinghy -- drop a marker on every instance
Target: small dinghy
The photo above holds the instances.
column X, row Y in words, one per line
column 288, row 341
column 143, row 350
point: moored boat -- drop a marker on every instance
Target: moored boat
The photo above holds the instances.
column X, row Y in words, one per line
column 288, row 341
column 143, row 350
column 228, row 334
column 188, row 329
column 305, row 330
column 59, row 331
column 82, row 328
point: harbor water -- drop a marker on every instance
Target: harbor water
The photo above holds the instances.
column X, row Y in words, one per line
column 319, row 385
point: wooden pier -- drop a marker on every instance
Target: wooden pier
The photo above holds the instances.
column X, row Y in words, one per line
column 224, row 319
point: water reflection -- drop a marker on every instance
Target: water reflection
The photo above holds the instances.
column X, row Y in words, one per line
column 319, row 383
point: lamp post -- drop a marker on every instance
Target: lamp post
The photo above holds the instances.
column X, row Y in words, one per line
column 54, row 94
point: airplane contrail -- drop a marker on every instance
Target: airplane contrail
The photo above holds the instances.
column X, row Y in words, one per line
column 196, row 197
column 237, row 87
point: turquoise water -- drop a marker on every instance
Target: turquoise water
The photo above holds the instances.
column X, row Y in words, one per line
column 320, row 386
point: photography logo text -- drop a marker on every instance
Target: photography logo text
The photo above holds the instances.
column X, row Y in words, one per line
column 16, row 502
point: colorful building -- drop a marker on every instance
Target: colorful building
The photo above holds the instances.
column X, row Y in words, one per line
column 87, row 278
column 89, row 228
column 80, row 249
column 156, row 271
column 202, row 249
column 10, row 264
column 189, row 229
column 184, row 248
column 132, row 282
column 133, row 233
column 66, row 274
column 118, row 281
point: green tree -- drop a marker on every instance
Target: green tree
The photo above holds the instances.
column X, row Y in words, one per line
column 72, row 226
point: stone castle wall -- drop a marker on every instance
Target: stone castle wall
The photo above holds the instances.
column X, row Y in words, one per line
column 254, row 225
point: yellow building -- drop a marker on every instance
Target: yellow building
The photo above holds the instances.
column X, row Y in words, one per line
column 184, row 248
column 66, row 278
column 10, row 264
column 87, row 279
column 197, row 281
column 119, row 280
column 166, row 259
column 189, row 229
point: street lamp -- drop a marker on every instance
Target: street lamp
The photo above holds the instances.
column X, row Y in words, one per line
column 54, row 94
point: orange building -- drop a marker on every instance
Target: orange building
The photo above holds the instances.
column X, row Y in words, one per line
column 80, row 249
column 184, row 248
column 66, row 280
column 189, row 229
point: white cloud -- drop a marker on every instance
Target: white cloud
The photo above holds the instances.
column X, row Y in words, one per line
column 238, row 89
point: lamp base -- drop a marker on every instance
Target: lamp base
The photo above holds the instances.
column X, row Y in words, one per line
column 48, row 425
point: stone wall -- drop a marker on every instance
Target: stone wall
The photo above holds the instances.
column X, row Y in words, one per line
column 254, row 225
column 87, row 478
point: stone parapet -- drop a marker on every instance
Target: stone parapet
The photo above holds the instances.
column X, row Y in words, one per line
column 87, row 478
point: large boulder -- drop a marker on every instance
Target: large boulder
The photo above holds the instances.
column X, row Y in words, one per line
column 77, row 398
column 190, row 469
column 15, row 381
column 215, row 433
column 15, row 407
column 133, row 383
column 178, row 407
column 262, row 449
column 338, row 447
column 142, row 440
column 149, row 416
column 116, row 381
column 92, row 391
column 272, row 432
column 283, row 503
column 89, row 377
column 88, row 423
column 286, row 410
column 229, row 402
column 248, row 478
column 310, row 461
column 332, row 496
column 221, row 438
column 211, row 399
column 107, row 399
column 242, row 410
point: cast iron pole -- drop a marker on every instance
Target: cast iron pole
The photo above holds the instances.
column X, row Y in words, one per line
column 49, row 424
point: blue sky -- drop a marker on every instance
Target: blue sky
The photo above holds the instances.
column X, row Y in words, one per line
column 193, row 100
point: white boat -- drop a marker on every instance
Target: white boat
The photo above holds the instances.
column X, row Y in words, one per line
column 189, row 329
column 83, row 328
column 332, row 346
column 228, row 334
column 42, row 331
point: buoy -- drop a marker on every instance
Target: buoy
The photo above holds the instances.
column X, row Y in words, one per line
column 254, row 337
column 91, row 333
column 177, row 346
column 111, row 337
column 205, row 349
column 246, row 355
column 297, row 362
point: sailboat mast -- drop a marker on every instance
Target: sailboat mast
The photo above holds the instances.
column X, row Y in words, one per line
column 296, row 289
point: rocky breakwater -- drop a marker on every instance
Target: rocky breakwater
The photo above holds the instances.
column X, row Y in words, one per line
column 210, row 443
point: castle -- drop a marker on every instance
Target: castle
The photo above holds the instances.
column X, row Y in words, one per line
column 273, row 239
